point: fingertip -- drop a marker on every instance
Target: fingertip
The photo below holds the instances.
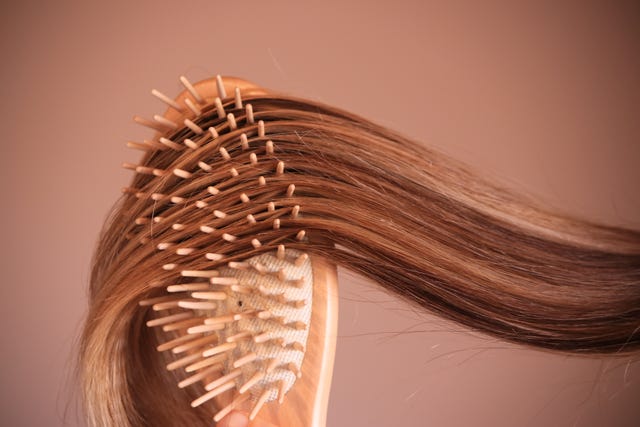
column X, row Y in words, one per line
column 234, row 419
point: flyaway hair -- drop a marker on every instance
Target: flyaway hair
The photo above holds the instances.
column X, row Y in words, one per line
column 414, row 221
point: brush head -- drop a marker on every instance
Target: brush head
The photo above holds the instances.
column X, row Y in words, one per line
column 245, row 316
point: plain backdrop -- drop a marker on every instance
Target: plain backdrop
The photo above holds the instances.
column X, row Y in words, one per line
column 542, row 96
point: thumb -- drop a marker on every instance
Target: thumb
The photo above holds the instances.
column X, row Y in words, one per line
column 240, row 419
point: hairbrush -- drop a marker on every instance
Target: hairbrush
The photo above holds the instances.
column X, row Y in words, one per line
column 245, row 318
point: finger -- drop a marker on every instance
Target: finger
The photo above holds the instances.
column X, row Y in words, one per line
column 234, row 419
column 240, row 419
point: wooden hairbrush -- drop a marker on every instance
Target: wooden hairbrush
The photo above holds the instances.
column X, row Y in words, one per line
column 245, row 318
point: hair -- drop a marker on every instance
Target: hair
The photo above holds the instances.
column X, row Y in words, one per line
column 416, row 222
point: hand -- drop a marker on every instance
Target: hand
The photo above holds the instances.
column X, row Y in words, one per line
column 240, row 419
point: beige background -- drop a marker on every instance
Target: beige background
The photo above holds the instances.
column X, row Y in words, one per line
column 541, row 96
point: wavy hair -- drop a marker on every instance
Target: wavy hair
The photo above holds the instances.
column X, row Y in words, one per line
column 416, row 222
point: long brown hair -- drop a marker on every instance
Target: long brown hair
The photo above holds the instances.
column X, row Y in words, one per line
column 415, row 221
